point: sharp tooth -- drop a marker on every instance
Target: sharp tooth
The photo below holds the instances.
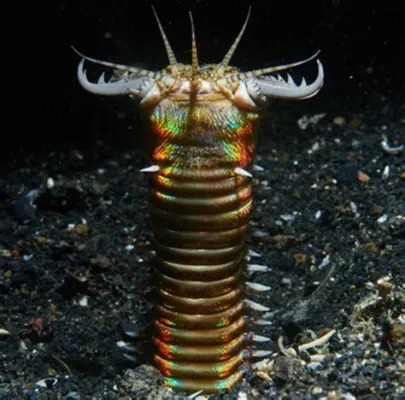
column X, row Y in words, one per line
column 241, row 171
column 260, row 234
column 131, row 330
column 259, row 338
column 101, row 79
column 262, row 322
column 257, row 268
column 194, row 395
column 152, row 168
column 130, row 358
column 261, row 353
column 290, row 80
column 252, row 253
column 257, row 287
column 249, row 336
column 256, row 306
column 257, row 168
column 134, row 334
column 256, row 353
column 126, row 346
column 303, row 82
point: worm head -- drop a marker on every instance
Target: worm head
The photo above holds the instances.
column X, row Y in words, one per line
column 247, row 90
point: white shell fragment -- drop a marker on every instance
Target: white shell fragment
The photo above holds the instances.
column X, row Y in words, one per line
column 317, row 342
column 50, row 183
column 391, row 150
column 305, row 121
column 4, row 333
column 325, row 262
column 386, row 172
column 47, row 382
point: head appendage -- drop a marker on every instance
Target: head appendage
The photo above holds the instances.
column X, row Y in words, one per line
column 235, row 44
column 270, row 70
column 169, row 50
column 124, row 68
column 194, row 55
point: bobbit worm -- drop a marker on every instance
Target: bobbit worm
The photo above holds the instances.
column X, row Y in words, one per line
column 202, row 122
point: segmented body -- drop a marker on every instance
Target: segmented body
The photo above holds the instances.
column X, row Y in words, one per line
column 202, row 123
column 199, row 211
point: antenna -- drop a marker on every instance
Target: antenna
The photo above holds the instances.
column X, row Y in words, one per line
column 169, row 51
column 230, row 52
column 194, row 55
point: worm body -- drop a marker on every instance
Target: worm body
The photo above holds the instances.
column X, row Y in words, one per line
column 202, row 123
column 199, row 210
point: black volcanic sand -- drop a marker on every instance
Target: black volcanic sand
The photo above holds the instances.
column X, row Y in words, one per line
column 329, row 221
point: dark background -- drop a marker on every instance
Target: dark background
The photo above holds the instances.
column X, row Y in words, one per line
column 362, row 43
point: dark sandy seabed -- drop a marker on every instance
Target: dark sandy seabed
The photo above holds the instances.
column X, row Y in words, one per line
column 329, row 221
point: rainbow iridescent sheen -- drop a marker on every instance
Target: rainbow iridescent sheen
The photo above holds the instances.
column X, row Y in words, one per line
column 199, row 212
column 205, row 133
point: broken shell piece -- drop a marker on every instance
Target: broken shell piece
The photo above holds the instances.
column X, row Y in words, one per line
column 47, row 382
column 4, row 333
column 317, row 342
column 391, row 150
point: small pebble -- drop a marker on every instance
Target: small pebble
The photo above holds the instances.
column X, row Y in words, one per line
column 382, row 219
column 339, row 121
column 50, row 183
column 362, row 177
column 81, row 229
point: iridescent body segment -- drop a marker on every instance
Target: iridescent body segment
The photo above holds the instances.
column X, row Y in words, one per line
column 199, row 211
column 201, row 123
